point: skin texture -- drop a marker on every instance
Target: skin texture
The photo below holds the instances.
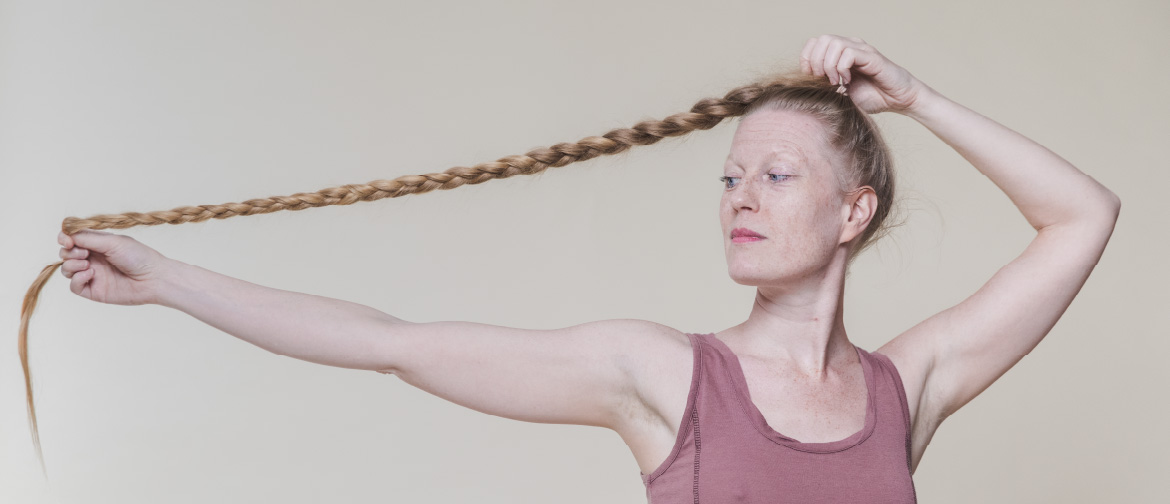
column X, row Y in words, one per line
column 783, row 184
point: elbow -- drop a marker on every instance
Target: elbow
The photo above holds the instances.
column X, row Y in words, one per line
column 1110, row 202
column 1096, row 212
column 1100, row 203
column 1106, row 207
column 1110, row 209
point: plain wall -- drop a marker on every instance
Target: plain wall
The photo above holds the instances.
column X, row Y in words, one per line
column 122, row 106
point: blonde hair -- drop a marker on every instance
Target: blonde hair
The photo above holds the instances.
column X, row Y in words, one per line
column 849, row 127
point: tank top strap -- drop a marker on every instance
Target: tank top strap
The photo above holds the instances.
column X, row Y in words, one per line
column 720, row 385
column 897, row 396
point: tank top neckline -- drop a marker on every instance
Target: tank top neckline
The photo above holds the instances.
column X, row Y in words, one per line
column 739, row 381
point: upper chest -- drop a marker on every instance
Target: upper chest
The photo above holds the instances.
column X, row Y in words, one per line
column 783, row 393
column 809, row 409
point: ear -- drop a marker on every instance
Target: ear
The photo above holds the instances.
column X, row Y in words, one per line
column 861, row 206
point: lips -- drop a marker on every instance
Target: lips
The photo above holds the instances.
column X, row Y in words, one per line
column 745, row 233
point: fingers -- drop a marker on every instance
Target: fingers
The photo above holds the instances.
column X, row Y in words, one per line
column 74, row 259
column 816, row 57
column 833, row 57
column 77, row 284
column 848, row 58
column 806, row 54
column 75, row 266
column 96, row 240
column 73, row 253
column 70, row 267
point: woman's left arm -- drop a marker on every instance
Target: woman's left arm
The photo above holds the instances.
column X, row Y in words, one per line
column 981, row 338
column 965, row 348
column 1048, row 190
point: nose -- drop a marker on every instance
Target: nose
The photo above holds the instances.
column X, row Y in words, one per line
column 744, row 197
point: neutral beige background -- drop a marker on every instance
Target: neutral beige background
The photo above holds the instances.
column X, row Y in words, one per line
column 141, row 106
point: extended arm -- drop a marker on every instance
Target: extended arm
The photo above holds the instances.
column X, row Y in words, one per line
column 585, row 374
column 303, row 326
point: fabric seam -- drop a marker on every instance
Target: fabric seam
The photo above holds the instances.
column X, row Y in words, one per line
column 693, row 405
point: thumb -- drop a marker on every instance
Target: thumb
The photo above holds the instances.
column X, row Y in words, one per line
column 98, row 241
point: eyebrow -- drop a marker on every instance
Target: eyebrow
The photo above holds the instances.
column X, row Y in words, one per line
column 773, row 160
column 783, row 153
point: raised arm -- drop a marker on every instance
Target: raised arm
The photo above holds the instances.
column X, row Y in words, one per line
column 978, row 340
column 957, row 353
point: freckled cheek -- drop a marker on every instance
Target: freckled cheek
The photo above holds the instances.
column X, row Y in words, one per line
column 800, row 235
column 726, row 216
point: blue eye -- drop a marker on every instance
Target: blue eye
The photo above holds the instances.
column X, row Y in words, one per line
column 727, row 181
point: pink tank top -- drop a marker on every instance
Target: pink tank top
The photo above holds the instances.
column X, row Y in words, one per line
column 726, row 452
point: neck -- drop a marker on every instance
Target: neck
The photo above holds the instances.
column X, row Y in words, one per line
column 801, row 323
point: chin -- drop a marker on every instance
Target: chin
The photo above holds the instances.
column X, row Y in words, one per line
column 750, row 276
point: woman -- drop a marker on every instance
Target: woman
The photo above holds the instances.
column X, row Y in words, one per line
column 779, row 407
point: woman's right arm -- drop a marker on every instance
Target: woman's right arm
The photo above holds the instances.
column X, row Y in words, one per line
column 597, row 373
column 303, row 326
column 585, row 374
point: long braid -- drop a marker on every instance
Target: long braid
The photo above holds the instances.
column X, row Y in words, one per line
column 705, row 114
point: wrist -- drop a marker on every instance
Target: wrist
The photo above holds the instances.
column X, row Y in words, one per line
column 925, row 102
column 166, row 288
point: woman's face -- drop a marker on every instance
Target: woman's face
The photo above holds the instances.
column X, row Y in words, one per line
column 783, row 186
